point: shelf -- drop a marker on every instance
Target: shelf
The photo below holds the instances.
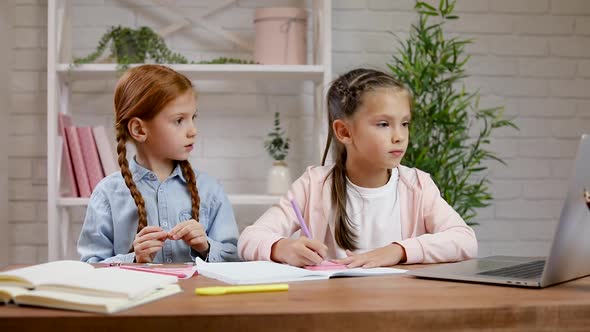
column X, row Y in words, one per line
column 60, row 76
column 236, row 199
column 72, row 201
column 205, row 72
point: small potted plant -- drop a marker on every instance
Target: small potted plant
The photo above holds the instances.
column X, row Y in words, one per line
column 277, row 146
column 142, row 45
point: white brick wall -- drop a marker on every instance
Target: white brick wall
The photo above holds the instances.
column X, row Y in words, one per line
column 6, row 33
column 532, row 56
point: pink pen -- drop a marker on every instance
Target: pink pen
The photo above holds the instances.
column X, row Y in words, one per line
column 159, row 271
column 300, row 218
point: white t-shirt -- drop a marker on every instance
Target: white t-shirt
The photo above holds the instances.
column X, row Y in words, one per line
column 375, row 213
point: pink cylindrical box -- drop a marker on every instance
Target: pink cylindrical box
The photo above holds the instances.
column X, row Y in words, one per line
column 280, row 36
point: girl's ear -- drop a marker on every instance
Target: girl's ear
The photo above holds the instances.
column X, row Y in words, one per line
column 341, row 130
column 137, row 129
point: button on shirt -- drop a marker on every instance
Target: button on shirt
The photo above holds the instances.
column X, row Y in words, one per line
column 111, row 219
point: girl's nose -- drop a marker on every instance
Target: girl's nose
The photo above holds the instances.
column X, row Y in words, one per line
column 396, row 137
column 192, row 131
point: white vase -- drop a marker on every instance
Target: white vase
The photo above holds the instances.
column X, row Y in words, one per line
column 279, row 178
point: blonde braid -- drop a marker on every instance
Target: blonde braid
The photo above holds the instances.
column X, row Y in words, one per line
column 191, row 183
column 128, row 177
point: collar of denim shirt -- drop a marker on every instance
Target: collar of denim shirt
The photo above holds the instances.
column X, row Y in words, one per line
column 139, row 172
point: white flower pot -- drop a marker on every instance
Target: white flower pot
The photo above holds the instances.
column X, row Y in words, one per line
column 279, row 178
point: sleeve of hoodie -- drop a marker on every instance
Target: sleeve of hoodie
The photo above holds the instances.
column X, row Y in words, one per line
column 448, row 238
column 278, row 222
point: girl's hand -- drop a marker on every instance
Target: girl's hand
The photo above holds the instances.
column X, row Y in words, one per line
column 193, row 233
column 148, row 242
column 298, row 252
column 391, row 254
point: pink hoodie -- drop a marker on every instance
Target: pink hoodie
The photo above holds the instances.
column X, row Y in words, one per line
column 432, row 231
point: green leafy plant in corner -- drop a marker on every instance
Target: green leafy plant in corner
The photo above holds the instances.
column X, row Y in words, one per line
column 128, row 46
column 449, row 132
column 276, row 144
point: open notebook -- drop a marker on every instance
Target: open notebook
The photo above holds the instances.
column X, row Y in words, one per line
column 77, row 285
column 263, row 272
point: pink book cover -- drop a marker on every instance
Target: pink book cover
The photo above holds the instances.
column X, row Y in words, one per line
column 64, row 121
column 90, row 156
column 105, row 151
column 78, row 161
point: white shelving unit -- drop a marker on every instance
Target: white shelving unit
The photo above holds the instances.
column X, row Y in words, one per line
column 313, row 73
column 60, row 76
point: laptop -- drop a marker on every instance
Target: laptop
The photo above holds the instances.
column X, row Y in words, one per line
column 569, row 256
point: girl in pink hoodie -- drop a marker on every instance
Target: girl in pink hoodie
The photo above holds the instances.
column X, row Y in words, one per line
column 366, row 209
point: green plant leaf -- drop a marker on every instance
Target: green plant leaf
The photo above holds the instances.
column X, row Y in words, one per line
column 128, row 46
column 421, row 5
column 277, row 144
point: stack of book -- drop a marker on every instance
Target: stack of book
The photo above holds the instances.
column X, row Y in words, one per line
column 87, row 156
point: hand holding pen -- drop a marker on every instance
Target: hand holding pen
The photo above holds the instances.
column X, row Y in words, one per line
column 302, row 251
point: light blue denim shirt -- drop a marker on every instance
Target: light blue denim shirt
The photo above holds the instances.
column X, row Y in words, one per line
column 111, row 219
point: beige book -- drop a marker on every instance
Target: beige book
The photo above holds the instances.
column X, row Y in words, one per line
column 103, row 145
column 80, row 286
column 72, row 301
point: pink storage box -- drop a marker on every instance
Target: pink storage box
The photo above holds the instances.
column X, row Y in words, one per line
column 280, row 36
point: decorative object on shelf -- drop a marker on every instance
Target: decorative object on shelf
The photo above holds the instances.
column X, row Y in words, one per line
column 442, row 140
column 141, row 45
column 280, row 36
column 277, row 145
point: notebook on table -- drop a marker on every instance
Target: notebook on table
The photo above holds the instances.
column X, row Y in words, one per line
column 265, row 272
column 75, row 285
column 568, row 258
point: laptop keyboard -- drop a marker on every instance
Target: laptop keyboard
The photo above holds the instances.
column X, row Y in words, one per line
column 529, row 270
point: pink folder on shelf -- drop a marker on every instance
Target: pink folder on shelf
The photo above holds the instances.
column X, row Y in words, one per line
column 64, row 121
column 105, row 151
column 78, row 161
column 90, row 156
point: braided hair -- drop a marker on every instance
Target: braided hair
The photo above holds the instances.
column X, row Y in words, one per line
column 143, row 92
column 344, row 98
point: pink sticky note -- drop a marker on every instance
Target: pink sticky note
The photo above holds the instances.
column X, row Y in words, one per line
column 326, row 266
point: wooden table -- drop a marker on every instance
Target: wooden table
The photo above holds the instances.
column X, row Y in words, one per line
column 391, row 303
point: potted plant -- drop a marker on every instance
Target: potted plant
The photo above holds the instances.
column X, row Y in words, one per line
column 277, row 146
column 442, row 140
column 141, row 45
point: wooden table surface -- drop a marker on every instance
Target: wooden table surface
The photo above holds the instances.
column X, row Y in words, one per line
column 387, row 303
